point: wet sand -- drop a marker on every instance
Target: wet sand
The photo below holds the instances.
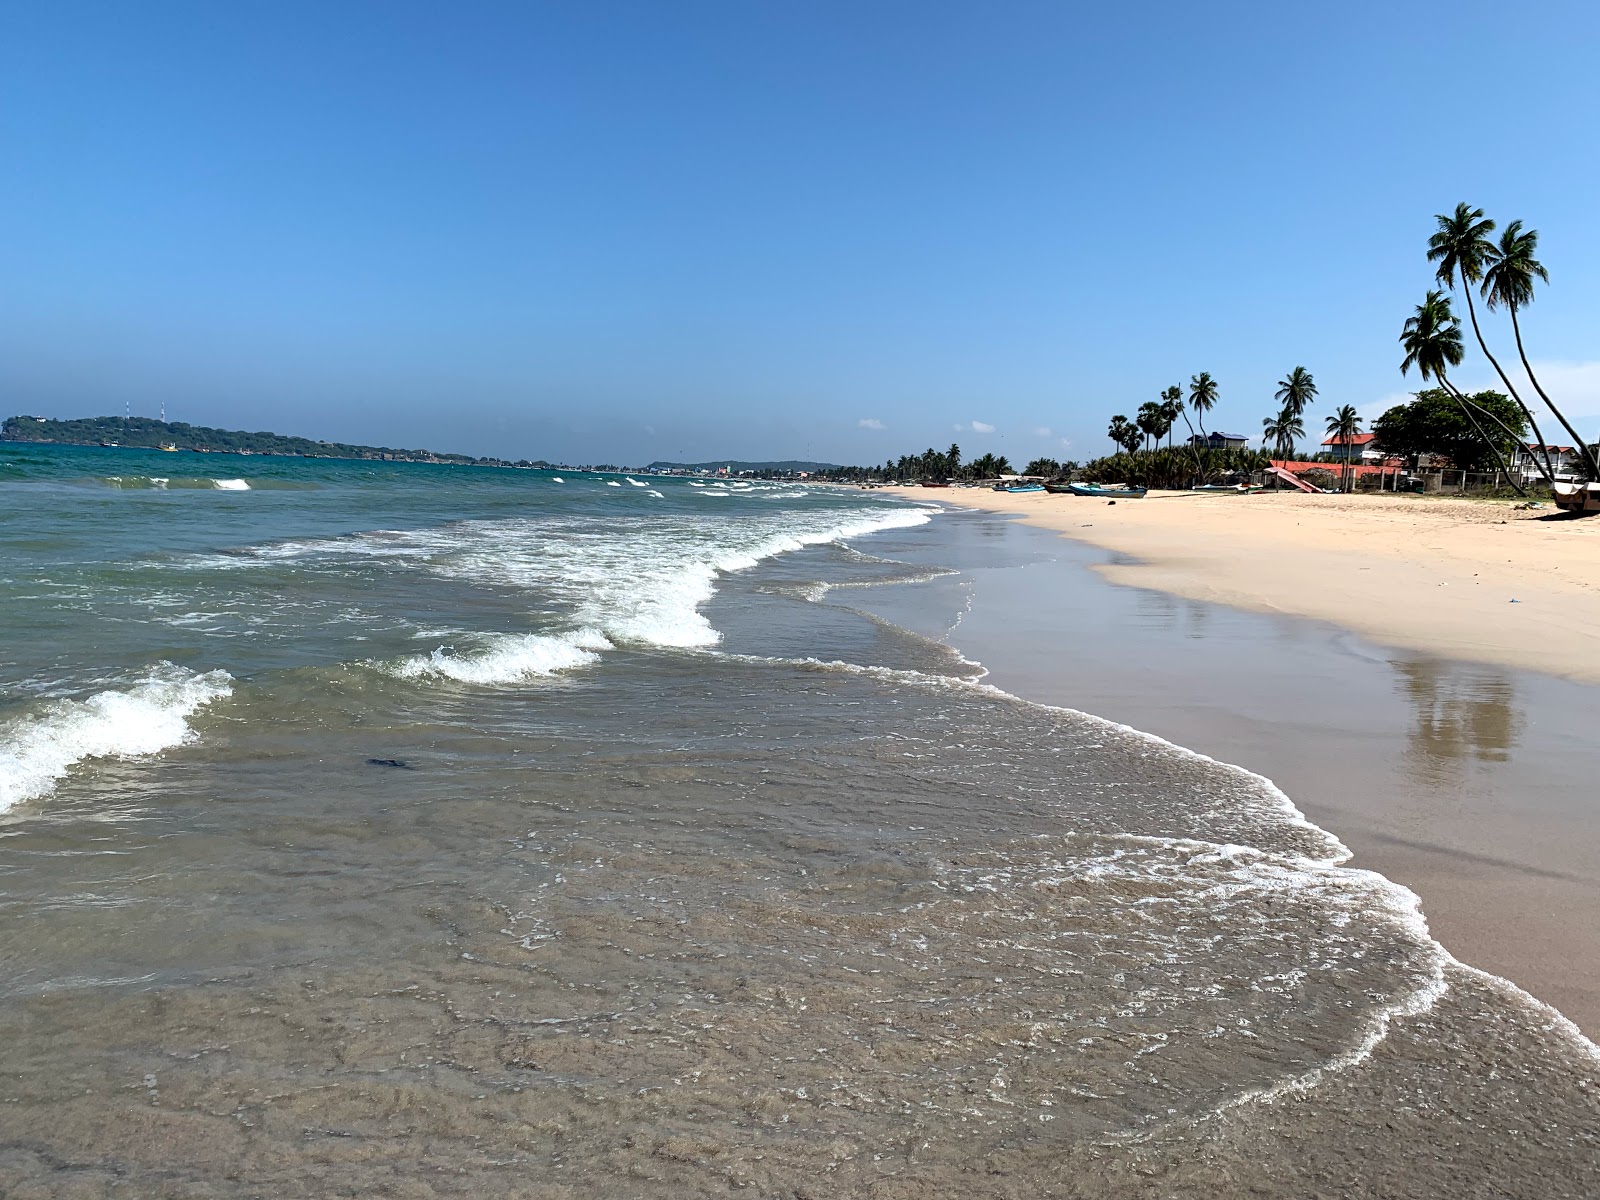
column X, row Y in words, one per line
column 1426, row 573
column 1471, row 784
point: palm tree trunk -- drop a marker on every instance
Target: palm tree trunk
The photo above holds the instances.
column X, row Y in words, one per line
column 1504, row 378
column 1467, row 407
column 1583, row 449
column 1199, row 468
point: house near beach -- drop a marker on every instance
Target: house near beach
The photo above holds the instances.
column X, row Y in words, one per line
column 1362, row 448
column 1219, row 441
column 1564, row 460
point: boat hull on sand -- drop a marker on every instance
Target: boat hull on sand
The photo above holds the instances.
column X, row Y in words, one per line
column 1581, row 498
column 1089, row 489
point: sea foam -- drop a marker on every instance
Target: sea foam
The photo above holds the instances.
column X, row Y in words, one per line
column 508, row 658
column 38, row 750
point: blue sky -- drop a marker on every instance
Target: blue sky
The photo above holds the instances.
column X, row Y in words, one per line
column 631, row 231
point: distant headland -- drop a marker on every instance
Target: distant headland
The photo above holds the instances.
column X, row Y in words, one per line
column 147, row 434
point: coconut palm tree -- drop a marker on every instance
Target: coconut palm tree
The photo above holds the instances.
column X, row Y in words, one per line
column 1202, row 396
column 1272, row 431
column 1462, row 248
column 1343, row 426
column 1284, row 429
column 1172, row 402
column 1296, row 392
column 1508, row 281
column 1431, row 339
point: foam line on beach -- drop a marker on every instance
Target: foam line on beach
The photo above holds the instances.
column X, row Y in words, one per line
column 38, row 750
column 1401, row 903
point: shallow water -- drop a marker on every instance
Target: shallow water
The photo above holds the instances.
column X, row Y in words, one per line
column 446, row 830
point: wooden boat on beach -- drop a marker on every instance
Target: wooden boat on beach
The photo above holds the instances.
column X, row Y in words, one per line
column 1577, row 497
column 1228, row 489
column 934, row 483
column 1019, row 487
column 1109, row 493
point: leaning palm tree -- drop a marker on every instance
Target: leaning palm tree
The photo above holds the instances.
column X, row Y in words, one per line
column 1172, row 402
column 1431, row 339
column 1343, row 427
column 1462, row 248
column 1508, row 281
column 1296, row 392
column 1202, row 396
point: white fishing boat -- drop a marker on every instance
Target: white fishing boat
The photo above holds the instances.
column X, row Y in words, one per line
column 1578, row 497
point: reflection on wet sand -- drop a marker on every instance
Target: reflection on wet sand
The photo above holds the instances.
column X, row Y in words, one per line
column 1458, row 714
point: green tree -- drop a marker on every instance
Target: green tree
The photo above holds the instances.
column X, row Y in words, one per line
column 1508, row 282
column 1123, row 432
column 1202, row 396
column 1431, row 338
column 1433, row 423
column 1296, row 392
column 952, row 460
column 1047, row 468
column 1463, row 252
column 1148, row 419
column 1344, row 425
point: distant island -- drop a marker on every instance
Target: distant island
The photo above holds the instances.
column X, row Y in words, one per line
column 146, row 434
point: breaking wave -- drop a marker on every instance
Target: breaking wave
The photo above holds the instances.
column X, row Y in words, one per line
column 38, row 750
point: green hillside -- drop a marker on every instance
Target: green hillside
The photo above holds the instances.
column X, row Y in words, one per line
column 144, row 433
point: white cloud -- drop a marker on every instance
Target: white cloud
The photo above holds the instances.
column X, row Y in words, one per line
column 1574, row 386
column 1043, row 431
column 980, row 427
column 870, row 423
column 1066, row 443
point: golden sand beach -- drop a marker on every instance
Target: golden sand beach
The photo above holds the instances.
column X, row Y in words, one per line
column 1505, row 868
column 1469, row 579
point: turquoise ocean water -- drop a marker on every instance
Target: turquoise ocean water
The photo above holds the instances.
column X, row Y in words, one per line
column 390, row 828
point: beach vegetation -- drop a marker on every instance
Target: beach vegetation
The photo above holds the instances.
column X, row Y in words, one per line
column 1153, row 421
column 1125, row 433
column 1465, row 256
column 1281, row 431
column 1343, row 425
column 1433, row 423
column 1049, row 468
column 1431, row 339
column 1508, row 283
column 1202, row 396
column 1177, row 468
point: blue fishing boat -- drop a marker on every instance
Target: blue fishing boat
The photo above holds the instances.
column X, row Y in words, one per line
column 1109, row 493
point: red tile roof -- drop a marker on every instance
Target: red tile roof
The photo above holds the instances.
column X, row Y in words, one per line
column 1360, row 439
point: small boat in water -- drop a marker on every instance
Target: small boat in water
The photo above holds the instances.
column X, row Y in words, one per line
column 1110, row 493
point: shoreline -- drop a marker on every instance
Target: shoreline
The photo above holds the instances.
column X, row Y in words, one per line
column 1469, row 784
column 1475, row 580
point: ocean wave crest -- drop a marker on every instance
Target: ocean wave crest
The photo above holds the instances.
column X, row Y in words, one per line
column 38, row 750
column 508, row 658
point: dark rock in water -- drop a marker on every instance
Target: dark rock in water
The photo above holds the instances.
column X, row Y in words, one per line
column 390, row 762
